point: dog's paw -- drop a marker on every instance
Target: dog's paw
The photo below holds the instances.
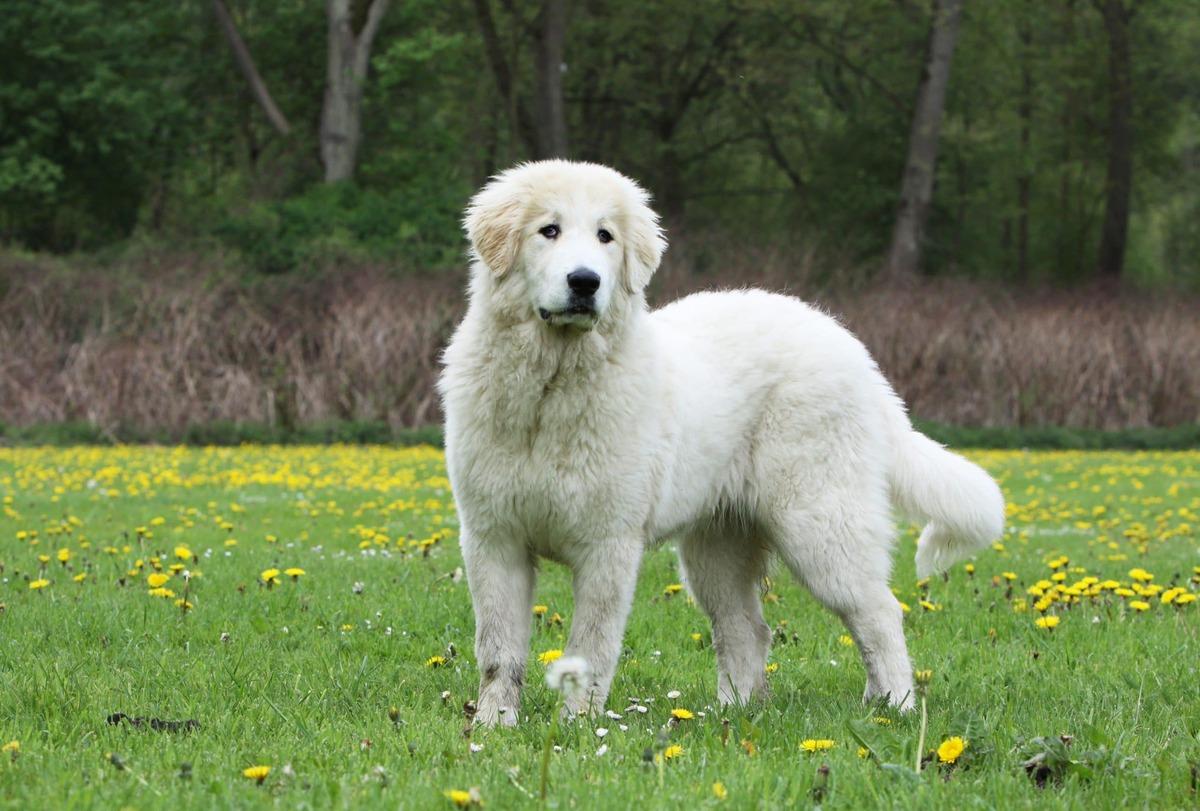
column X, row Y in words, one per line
column 492, row 715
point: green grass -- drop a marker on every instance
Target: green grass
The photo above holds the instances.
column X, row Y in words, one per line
column 305, row 678
column 1041, row 437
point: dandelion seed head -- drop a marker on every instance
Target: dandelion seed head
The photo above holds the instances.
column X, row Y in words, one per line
column 571, row 676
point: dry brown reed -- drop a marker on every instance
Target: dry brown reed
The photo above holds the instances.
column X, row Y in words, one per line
column 165, row 347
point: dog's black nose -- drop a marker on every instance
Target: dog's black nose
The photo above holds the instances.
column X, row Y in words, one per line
column 583, row 282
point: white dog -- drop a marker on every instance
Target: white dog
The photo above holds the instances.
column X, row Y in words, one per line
column 745, row 425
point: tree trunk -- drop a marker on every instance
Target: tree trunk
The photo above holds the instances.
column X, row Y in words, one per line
column 916, row 188
column 551, row 120
column 346, row 70
column 542, row 131
column 258, row 88
column 1119, row 179
column 1025, row 176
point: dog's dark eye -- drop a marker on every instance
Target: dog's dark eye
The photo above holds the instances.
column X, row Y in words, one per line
column 549, row 231
column 604, row 236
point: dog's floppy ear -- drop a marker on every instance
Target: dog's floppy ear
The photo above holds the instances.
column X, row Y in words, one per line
column 644, row 244
column 492, row 223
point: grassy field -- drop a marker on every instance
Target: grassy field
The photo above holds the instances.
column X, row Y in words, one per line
column 303, row 610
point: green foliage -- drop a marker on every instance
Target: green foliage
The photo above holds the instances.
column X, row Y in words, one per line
column 1055, row 759
column 1064, row 438
column 222, row 434
column 753, row 121
column 90, row 110
column 1184, row 437
column 341, row 222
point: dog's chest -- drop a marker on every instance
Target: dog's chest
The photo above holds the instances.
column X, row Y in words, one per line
column 543, row 495
column 549, row 474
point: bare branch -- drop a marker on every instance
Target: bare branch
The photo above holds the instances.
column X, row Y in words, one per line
column 258, row 88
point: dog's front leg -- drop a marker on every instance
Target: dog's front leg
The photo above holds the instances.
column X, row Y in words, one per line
column 604, row 583
column 501, row 578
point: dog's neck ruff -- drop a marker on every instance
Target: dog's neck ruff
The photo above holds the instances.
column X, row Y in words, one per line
column 509, row 368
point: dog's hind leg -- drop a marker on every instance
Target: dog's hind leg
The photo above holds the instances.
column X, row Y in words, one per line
column 843, row 558
column 501, row 580
column 724, row 567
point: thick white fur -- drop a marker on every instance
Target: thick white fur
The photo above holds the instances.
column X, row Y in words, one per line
column 744, row 425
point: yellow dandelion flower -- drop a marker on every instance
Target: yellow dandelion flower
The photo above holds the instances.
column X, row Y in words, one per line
column 816, row 744
column 1139, row 605
column 671, row 752
column 540, row 610
column 183, row 553
column 771, row 668
column 864, row 752
column 12, row 746
column 435, row 661
column 155, row 580
column 64, row 555
column 682, row 714
column 295, row 573
column 719, row 791
column 40, row 583
column 257, row 773
column 1046, row 622
column 269, row 575
column 160, row 592
column 1169, row 595
column 546, row 657
column 79, row 578
column 462, row 799
column 846, row 640
column 674, row 588
column 951, row 750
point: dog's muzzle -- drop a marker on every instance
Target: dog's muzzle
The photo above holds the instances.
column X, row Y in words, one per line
column 578, row 312
column 581, row 305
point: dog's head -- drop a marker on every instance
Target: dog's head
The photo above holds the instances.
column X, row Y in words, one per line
column 563, row 240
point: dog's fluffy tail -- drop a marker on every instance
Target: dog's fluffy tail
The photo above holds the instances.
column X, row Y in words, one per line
column 959, row 503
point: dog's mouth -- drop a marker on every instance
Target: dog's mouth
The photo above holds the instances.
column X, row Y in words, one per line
column 576, row 313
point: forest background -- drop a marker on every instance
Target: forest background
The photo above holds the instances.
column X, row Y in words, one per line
column 247, row 212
